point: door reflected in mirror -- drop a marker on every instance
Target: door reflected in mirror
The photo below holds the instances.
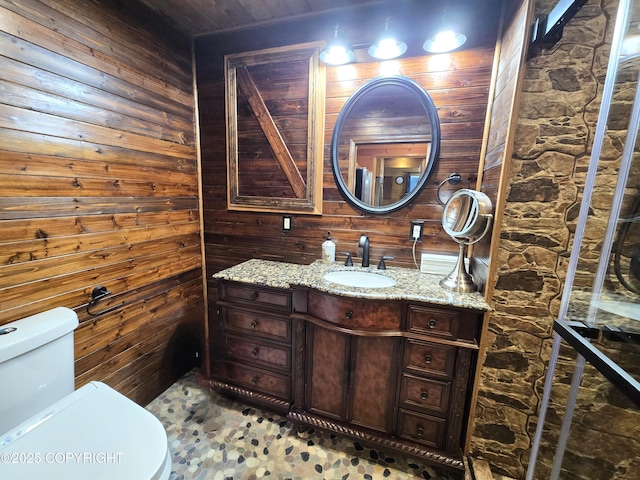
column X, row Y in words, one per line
column 384, row 173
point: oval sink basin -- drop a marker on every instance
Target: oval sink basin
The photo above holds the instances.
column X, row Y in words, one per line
column 359, row 279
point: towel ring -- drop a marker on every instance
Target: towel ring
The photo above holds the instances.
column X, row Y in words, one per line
column 453, row 179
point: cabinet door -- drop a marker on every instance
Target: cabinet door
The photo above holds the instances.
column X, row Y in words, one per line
column 351, row 378
column 372, row 382
column 327, row 372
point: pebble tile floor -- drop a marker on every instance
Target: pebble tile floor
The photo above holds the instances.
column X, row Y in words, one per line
column 213, row 437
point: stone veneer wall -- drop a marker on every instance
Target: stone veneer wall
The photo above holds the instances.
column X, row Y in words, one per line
column 558, row 111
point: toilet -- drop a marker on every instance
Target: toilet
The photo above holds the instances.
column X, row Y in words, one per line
column 51, row 431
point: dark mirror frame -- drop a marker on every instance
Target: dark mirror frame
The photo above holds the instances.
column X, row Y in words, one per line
column 431, row 112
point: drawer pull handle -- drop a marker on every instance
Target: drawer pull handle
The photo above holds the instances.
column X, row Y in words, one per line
column 432, row 323
column 255, row 380
column 428, row 359
column 254, row 296
column 424, row 395
column 349, row 315
column 420, row 431
column 254, row 324
column 254, row 352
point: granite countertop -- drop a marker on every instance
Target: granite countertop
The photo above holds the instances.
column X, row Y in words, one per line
column 410, row 284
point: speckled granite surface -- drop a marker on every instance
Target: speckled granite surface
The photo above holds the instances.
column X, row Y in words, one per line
column 410, row 284
column 213, row 437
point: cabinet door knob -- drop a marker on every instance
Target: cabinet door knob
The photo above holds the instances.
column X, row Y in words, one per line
column 432, row 323
column 424, row 395
column 254, row 324
column 254, row 352
column 254, row 295
column 428, row 358
column 255, row 380
column 420, row 431
column 349, row 315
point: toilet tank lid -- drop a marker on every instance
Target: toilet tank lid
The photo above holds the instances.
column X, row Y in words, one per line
column 35, row 331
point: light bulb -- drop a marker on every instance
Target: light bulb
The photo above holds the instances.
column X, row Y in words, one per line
column 338, row 55
column 387, row 48
column 335, row 52
column 444, row 41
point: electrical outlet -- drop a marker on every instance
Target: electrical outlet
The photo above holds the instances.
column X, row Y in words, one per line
column 417, row 227
column 286, row 223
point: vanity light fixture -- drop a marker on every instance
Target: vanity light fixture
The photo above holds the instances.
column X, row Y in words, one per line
column 336, row 52
column 446, row 39
column 388, row 46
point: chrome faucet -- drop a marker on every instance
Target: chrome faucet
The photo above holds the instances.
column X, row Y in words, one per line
column 364, row 243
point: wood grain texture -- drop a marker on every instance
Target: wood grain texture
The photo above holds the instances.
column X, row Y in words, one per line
column 202, row 16
column 459, row 84
column 495, row 168
column 99, row 184
column 494, row 171
column 274, row 117
column 372, row 379
column 267, row 123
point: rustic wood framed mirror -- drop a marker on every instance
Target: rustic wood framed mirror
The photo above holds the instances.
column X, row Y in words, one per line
column 275, row 127
column 385, row 143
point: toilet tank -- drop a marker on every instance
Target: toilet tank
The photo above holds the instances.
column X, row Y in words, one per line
column 36, row 364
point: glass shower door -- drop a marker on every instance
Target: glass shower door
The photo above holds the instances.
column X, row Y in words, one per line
column 592, row 393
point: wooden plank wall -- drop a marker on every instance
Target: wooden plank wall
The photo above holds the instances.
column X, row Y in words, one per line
column 458, row 83
column 494, row 184
column 509, row 67
column 99, row 184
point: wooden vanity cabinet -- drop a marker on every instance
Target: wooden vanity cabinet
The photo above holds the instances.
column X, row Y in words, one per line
column 387, row 372
column 391, row 373
column 251, row 348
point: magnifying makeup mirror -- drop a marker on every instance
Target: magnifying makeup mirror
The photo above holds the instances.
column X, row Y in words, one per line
column 466, row 218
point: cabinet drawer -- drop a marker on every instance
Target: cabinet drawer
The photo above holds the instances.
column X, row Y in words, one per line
column 424, row 393
column 259, row 296
column 249, row 351
column 433, row 321
column 429, row 358
column 421, row 428
column 461, row 325
column 260, row 380
column 253, row 324
column 355, row 313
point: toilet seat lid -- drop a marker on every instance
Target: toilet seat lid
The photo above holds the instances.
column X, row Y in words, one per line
column 95, row 432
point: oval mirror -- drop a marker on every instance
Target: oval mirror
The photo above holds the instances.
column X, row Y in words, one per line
column 466, row 218
column 385, row 143
column 465, row 214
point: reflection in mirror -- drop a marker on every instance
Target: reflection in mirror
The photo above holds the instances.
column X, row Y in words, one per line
column 384, row 173
column 465, row 214
column 466, row 218
column 384, row 144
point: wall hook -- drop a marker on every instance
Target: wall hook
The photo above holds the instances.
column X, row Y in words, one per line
column 98, row 294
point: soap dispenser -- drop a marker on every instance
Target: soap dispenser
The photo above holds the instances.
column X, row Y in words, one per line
column 328, row 249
